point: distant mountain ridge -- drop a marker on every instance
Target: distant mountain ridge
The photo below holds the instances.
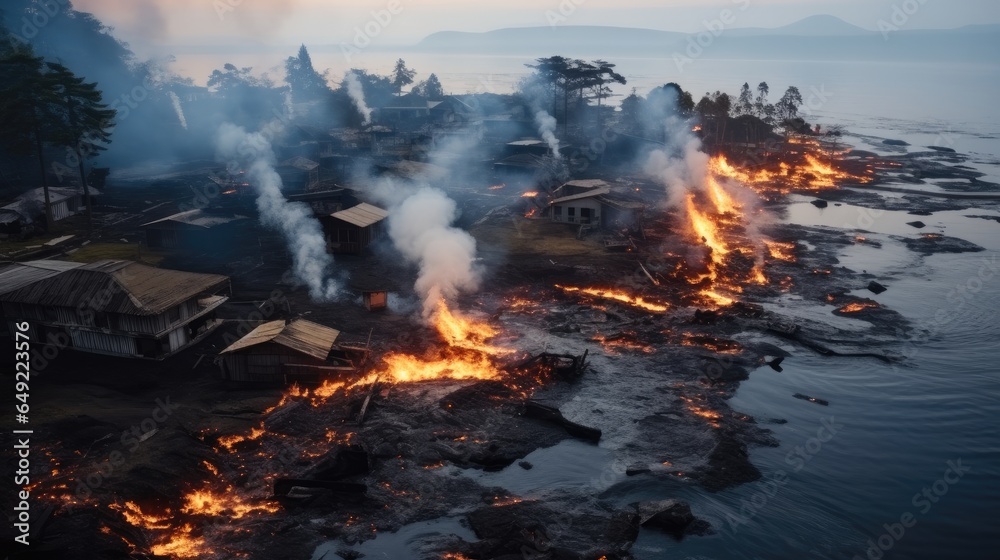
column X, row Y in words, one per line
column 816, row 37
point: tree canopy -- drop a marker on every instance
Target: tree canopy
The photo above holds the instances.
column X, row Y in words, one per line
column 305, row 82
column 402, row 76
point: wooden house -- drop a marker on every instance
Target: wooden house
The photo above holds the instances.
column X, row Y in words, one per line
column 113, row 307
column 299, row 351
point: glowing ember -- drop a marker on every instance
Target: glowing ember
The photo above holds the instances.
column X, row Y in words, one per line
column 858, row 306
column 181, row 544
column 206, row 502
column 498, row 187
column 780, row 250
column 530, row 194
column 619, row 296
column 623, row 341
column 506, row 501
column 229, row 441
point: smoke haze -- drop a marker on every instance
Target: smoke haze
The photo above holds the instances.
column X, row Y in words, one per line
column 311, row 263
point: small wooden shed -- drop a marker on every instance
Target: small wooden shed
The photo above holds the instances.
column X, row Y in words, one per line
column 299, row 351
column 351, row 231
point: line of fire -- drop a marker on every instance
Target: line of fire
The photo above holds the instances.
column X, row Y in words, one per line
column 310, row 335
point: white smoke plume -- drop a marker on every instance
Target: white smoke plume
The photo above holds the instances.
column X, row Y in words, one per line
column 421, row 228
column 547, row 130
column 177, row 108
column 679, row 168
column 311, row 263
column 357, row 94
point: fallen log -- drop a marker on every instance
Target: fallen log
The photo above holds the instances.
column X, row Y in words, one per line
column 535, row 409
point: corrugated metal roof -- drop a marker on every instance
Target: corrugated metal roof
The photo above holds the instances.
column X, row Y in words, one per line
column 362, row 215
column 114, row 286
column 589, row 194
column 306, row 337
column 199, row 218
column 14, row 276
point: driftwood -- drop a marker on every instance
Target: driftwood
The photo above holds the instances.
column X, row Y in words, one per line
column 535, row 409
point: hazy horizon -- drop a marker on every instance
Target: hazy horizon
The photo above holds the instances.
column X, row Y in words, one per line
column 154, row 27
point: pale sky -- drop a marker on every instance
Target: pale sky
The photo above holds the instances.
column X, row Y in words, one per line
column 148, row 24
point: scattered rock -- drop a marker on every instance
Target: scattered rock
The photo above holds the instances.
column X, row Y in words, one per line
column 920, row 213
column 671, row 516
column 890, row 142
column 931, row 243
column 917, row 224
column 811, row 399
column 942, row 149
column 819, row 203
column 525, row 465
column 876, row 288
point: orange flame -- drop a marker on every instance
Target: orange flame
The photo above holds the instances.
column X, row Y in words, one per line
column 468, row 354
column 619, row 296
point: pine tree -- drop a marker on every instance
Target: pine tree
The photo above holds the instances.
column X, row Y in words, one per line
column 306, row 83
column 86, row 121
column 402, row 76
column 28, row 101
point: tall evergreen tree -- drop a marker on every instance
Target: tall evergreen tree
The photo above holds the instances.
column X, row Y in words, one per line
column 402, row 76
column 28, row 100
column 306, row 83
column 86, row 121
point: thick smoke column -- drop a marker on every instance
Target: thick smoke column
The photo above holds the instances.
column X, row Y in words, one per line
column 420, row 227
column 357, row 94
column 680, row 166
column 311, row 263
column 177, row 108
column 547, row 130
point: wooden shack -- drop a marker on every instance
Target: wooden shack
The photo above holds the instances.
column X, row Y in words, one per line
column 353, row 230
column 299, row 351
column 118, row 308
column 200, row 230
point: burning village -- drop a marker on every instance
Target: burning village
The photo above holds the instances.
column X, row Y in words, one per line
column 288, row 318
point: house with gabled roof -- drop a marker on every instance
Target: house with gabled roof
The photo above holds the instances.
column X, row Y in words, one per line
column 113, row 307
